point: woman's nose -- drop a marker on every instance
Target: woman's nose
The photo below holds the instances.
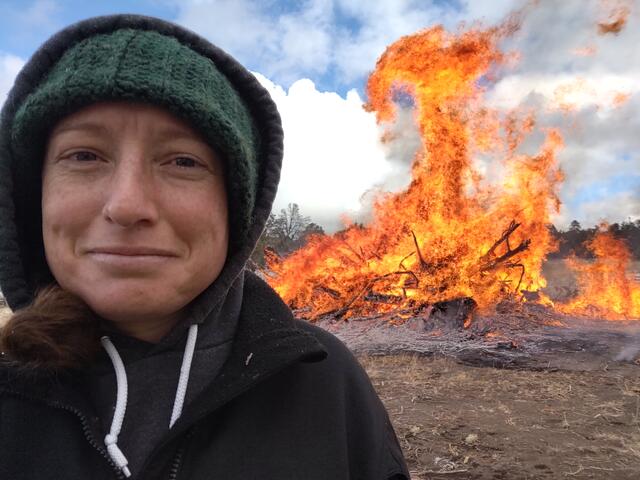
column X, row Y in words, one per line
column 130, row 197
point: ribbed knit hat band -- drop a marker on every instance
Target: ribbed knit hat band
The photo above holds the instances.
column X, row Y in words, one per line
column 146, row 66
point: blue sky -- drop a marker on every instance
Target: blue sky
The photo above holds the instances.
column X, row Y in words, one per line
column 24, row 25
column 315, row 55
column 601, row 190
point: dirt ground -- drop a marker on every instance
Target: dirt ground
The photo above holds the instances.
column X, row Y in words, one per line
column 460, row 422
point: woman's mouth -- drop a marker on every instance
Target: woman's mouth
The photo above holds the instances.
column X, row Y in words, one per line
column 130, row 257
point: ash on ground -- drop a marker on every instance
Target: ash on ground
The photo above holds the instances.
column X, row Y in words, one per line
column 517, row 335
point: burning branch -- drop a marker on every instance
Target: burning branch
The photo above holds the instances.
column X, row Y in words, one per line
column 401, row 264
column 430, row 267
column 366, row 291
column 360, row 256
column 423, row 262
column 489, row 261
column 517, row 265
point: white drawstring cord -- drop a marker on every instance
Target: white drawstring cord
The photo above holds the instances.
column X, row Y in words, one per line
column 184, row 374
column 111, row 439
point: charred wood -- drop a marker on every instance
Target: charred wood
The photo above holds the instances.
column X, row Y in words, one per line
column 375, row 297
column 329, row 291
column 451, row 314
column 367, row 288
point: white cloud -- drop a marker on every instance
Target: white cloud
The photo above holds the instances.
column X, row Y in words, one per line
column 318, row 37
column 235, row 25
column 332, row 153
column 10, row 65
column 284, row 46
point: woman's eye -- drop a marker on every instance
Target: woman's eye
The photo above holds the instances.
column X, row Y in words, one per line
column 83, row 156
column 186, row 162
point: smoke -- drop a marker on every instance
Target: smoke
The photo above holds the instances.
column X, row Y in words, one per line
column 400, row 142
column 630, row 352
column 587, row 85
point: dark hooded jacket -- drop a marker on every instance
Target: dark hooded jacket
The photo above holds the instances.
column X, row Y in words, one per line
column 269, row 397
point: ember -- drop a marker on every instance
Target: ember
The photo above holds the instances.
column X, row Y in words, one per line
column 451, row 234
column 618, row 15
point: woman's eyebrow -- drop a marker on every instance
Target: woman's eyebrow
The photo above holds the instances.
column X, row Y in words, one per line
column 173, row 133
column 92, row 127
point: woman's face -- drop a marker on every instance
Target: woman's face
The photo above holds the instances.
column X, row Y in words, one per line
column 134, row 214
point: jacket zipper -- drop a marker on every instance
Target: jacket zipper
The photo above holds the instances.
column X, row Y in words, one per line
column 177, row 460
column 86, row 429
column 175, row 466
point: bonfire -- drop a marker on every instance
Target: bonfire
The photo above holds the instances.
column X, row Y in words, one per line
column 454, row 234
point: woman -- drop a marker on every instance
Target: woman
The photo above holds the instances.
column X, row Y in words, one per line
column 139, row 166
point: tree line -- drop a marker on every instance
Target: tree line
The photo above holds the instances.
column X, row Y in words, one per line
column 285, row 232
column 574, row 240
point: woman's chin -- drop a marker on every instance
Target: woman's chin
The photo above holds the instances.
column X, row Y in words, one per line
column 138, row 316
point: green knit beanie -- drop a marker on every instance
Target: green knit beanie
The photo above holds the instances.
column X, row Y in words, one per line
column 146, row 66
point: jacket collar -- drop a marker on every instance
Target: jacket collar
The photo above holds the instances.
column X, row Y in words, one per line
column 266, row 342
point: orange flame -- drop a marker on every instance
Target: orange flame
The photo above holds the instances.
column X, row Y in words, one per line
column 605, row 286
column 450, row 233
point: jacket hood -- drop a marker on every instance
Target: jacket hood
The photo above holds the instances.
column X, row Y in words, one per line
column 23, row 267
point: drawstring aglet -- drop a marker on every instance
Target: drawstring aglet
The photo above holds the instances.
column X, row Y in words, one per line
column 111, row 441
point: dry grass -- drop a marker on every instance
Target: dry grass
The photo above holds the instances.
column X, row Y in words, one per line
column 456, row 421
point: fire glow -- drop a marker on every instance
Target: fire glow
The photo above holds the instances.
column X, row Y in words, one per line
column 451, row 233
